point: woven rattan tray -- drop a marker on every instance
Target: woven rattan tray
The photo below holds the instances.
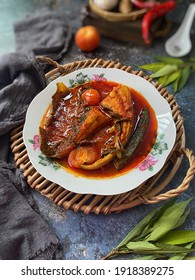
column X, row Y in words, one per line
column 150, row 192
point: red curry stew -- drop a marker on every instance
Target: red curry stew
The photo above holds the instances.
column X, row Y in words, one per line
column 100, row 90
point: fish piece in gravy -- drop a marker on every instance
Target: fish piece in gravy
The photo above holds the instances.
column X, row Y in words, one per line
column 68, row 122
column 90, row 135
column 119, row 103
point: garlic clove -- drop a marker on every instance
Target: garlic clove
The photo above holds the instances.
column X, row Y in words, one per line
column 106, row 4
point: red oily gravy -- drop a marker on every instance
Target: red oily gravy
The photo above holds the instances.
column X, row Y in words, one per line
column 108, row 171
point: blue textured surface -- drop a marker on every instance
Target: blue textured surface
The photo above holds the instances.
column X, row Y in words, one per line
column 93, row 236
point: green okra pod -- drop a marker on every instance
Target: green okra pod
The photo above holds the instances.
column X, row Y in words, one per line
column 134, row 141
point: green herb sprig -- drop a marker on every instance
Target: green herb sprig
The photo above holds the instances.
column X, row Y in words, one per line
column 157, row 236
column 171, row 70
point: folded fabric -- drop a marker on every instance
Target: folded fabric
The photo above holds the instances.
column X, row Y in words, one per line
column 45, row 33
column 23, row 232
column 21, row 78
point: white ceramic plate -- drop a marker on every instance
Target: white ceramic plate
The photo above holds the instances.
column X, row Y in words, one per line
column 148, row 168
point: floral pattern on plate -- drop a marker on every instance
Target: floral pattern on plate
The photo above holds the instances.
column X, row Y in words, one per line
column 43, row 160
column 152, row 158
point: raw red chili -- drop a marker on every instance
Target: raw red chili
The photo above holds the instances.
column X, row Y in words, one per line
column 141, row 5
column 153, row 14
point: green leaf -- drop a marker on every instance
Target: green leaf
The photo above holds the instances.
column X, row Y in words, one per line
column 143, row 228
column 160, row 212
column 168, row 220
column 149, row 248
column 141, row 245
column 31, row 141
column 162, row 249
column 177, row 237
column 171, row 70
column 166, row 70
column 159, row 249
column 182, row 219
column 180, row 82
column 189, row 258
column 136, row 232
column 176, row 84
column 171, row 249
column 148, row 228
column 192, row 59
column 169, row 60
column 185, row 74
column 153, row 66
column 181, row 256
column 151, row 257
column 162, row 80
column 172, row 77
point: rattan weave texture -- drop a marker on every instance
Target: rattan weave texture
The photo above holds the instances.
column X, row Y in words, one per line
column 150, row 192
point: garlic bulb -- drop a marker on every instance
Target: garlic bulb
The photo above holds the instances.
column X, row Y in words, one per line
column 106, row 4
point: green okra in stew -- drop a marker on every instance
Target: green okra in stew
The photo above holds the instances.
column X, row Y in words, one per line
column 134, row 141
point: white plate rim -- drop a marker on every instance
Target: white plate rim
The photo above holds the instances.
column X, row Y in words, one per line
column 112, row 186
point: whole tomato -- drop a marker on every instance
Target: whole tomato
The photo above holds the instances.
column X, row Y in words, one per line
column 91, row 97
column 87, row 38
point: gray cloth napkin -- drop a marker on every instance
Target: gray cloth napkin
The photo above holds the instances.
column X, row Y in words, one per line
column 45, row 33
column 23, row 232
